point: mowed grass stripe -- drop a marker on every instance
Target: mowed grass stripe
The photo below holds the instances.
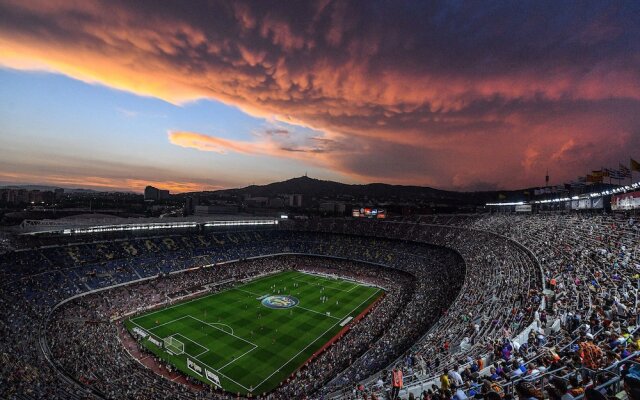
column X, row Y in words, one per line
column 302, row 356
column 254, row 346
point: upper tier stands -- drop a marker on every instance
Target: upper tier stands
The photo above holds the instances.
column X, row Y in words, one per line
column 532, row 306
column 590, row 265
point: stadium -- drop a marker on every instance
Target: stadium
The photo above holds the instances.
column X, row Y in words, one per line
column 319, row 200
column 322, row 308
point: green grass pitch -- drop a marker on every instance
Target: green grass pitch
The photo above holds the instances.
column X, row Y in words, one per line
column 247, row 345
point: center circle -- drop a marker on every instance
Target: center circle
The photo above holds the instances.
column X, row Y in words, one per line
column 280, row 301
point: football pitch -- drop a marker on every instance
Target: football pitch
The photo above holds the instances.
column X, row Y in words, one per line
column 249, row 338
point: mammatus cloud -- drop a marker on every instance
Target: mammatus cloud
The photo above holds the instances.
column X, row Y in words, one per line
column 447, row 94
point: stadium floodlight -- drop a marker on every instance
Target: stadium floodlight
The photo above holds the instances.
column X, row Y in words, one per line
column 173, row 345
column 517, row 203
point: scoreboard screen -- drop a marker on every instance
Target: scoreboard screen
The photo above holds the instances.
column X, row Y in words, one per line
column 367, row 212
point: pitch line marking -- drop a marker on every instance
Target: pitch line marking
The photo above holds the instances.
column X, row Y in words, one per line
column 213, row 326
column 192, row 341
column 138, row 325
column 222, row 330
column 327, row 286
column 213, row 369
column 221, row 324
column 354, row 283
column 179, row 304
column 333, row 326
column 223, row 375
column 317, row 312
column 203, row 347
column 166, row 323
column 199, row 354
column 255, row 346
column 236, row 359
column 175, row 305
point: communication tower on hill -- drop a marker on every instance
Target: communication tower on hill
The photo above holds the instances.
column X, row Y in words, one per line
column 546, row 178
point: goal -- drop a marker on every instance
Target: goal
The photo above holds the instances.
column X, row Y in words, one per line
column 173, row 345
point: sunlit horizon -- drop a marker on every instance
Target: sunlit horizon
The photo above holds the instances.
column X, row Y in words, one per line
column 452, row 96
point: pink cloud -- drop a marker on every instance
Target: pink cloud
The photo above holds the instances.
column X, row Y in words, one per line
column 469, row 99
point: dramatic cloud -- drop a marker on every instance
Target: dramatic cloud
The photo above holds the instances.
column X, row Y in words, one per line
column 209, row 143
column 268, row 143
column 443, row 93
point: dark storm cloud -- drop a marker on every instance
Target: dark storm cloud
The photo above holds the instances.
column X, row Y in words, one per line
column 490, row 92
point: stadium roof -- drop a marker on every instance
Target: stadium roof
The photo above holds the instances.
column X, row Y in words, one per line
column 94, row 223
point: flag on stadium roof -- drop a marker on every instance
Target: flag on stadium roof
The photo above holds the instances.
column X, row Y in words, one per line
column 594, row 178
column 625, row 171
column 615, row 174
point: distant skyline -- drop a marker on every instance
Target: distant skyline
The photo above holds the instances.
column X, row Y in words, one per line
column 204, row 95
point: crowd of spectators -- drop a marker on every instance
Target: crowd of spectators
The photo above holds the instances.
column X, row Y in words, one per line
column 433, row 264
column 536, row 306
column 6, row 243
column 580, row 343
column 97, row 358
column 500, row 293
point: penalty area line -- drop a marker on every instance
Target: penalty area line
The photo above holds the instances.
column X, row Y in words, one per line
column 222, row 330
column 236, row 359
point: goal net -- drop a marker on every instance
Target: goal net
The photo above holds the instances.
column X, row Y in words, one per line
column 173, row 345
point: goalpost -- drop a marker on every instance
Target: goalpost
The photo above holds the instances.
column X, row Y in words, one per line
column 173, row 345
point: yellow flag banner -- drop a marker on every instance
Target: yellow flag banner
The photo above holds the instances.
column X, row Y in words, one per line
column 591, row 178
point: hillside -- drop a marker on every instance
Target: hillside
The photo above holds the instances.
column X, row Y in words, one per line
column 381, row 191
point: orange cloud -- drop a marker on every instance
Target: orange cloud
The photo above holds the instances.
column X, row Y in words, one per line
column 102, row 183
column 275, row 144
column 378, row 82
column 215, row 144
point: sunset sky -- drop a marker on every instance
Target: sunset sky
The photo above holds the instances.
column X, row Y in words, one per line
column 202, row 95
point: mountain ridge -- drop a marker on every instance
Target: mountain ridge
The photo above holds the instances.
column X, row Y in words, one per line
column 324, row 188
